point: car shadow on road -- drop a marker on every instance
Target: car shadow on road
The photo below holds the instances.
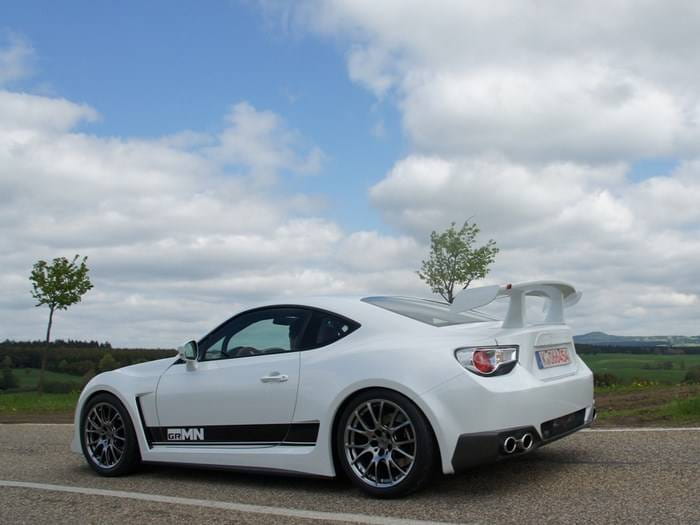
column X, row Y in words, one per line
column 502, row 477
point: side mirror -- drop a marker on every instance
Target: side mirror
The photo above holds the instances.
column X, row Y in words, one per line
column 188, row 353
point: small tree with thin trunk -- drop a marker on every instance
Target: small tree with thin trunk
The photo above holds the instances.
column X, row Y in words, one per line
column 58, row 285
column 454, row 261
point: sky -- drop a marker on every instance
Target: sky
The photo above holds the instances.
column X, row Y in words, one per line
column 209, row 156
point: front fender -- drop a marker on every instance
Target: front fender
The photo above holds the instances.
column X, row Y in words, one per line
column 135, row 392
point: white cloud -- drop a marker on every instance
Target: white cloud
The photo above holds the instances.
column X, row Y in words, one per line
column 533, row 80
column 15, row 59
column 527, row 117
column 24, row 114
column 262, row 142
column 180, row 231
column 369, row 251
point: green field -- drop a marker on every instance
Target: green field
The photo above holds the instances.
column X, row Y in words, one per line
column 21, row 401
column 29, row 378
column 630, row 367
column 33, row 403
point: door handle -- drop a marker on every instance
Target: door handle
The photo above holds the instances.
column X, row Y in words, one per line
column 274, row 377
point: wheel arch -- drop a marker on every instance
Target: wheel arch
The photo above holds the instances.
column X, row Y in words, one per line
column 352, row 395
column 130, row 406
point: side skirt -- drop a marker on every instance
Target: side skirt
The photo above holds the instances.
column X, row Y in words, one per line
column 242, row 470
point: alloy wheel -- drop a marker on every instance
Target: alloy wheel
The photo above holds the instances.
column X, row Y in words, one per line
column 105, row 435
column 380, row 443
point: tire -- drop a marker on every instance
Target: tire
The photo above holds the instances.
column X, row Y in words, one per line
column 385, row 444
column 107, row 437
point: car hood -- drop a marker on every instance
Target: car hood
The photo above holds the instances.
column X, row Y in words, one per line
column 148, row 369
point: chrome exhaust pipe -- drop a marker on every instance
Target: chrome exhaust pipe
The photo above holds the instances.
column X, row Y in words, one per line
column 510, row 445
column 525, row 443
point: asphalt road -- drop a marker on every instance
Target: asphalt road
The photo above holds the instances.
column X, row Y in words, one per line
column 590, row 477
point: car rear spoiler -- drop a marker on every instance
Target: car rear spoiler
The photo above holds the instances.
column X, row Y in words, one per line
column 559, row 295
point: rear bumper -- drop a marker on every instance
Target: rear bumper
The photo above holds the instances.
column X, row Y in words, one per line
column 470, row 405
column 488, row 447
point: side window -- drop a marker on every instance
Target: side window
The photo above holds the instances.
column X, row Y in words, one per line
column 266, row 331
column 326, row 328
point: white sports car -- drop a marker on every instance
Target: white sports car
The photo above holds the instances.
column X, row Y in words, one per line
column 384, row 389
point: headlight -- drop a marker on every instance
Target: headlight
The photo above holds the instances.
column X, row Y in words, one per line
column 488, row 360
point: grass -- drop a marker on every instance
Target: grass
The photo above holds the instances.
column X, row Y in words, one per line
column 24, row 400
column 682, row 409
column 677, row 411
column 29, row 377
column 630, row 367
column 33, row 403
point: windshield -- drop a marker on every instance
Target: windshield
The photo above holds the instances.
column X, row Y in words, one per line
column 430, row 312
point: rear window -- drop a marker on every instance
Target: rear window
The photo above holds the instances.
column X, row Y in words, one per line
column 430, row 312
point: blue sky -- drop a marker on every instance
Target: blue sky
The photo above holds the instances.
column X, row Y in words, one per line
column 170, row 66
column 571, row 137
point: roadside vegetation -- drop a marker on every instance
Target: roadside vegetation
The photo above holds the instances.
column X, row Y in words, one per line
column 649, row 388
column 646, row 389
column 69, row 366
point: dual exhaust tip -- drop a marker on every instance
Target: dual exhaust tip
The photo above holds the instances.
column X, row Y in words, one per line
column 511, row 444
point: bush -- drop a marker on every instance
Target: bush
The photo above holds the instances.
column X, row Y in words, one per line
column 686, row 407
column 79, row 368
column 692, row 375
column 59, row 387
column 605, row 379
column 7, row 379
column 107, row 363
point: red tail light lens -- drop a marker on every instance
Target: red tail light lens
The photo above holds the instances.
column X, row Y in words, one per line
column 482, row 362
column 488, row 361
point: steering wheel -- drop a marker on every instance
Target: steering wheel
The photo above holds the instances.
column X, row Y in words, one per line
column 242, row 351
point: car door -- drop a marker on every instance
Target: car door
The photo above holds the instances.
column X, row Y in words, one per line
column 244, row 387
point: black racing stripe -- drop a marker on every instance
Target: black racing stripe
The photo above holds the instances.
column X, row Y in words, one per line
column 296, row 433
column 302, row 433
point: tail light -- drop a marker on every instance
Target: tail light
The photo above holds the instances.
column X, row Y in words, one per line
column 488, row 360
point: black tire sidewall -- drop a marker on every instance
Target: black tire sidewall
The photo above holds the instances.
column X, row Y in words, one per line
column 426, row 456
column 131, row 456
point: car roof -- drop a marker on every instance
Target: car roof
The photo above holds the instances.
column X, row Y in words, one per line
column 349, row 306
column 357, row 309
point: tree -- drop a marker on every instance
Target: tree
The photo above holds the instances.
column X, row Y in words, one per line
column 58, row 286
column 107, row 363
column 454, row 262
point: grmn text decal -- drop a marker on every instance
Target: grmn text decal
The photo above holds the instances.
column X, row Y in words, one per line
column 185, row 434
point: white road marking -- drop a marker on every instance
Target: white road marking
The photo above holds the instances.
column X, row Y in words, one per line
column 237, row 507
column 641, row 429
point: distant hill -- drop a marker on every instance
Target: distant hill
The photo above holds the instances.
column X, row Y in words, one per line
column 601, row 338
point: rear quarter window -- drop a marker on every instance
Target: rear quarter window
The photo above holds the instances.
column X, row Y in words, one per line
column 325, row 328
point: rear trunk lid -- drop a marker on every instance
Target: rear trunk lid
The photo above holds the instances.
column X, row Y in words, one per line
column 546, row 351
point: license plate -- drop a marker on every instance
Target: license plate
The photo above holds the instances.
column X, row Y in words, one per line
column 553, row 357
